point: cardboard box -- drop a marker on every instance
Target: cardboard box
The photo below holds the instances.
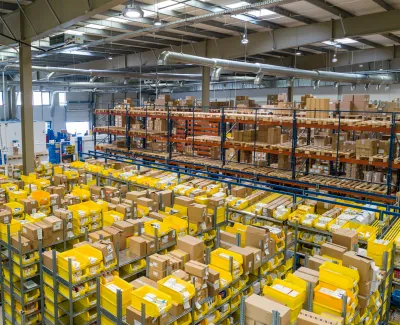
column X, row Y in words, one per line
column 248, row 258
column 363, row 264
column 32, row 231
column 134, row 317
column 124, row 208
column 48, row 259
column 55, row 223
column 191, row 245
column 364, row 288
column 24, row 246
column 197, row 269
column 333, row 250
column 197, row 212
column 116, row 237
column 345, row 237
column 5, row 216
column 150, row 244
column 181, row 275
column 137, row 246
column 158, row 262
column 307, row 277
column 142, row 281
column 135, row 195
column 99, row 235
column 257, row 256
column 259, row 309
column 30, row 206
column 308, row 318
column 181, row 255
column 108, row 250
column 309, row 271
column 59, row 179
column 315, row 262
column 127, row 228
column 256, row 237
column 183, row 201
column 163, row 197
column 176, row 309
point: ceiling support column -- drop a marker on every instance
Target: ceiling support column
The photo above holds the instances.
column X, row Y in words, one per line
column 205, row 88
column 28, row 143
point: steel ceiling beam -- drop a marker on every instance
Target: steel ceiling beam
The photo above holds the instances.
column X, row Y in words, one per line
column 327, row 6
column 280, row 39
column 8, row 6
column 58, row 15
column 384, row 4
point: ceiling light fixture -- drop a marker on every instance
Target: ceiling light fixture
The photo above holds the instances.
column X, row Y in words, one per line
column 334, row 59
column 244, row 39
column 158, row 21
column 298, row 52
column 133, row 11
column 109, row 57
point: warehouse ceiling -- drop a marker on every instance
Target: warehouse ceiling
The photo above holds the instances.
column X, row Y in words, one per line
column 112, row 41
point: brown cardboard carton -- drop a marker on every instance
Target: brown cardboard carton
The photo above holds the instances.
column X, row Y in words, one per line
column 59, row 179
column 239, row 191
column 309, row 318
column 55, row 223
column 32, row 231
column 364, row 288
column 197, row 212
column 99, row 235
column 48, row 259
column 257, row 256
column 180, row 254
column 134, row 317
column 108, row 250
column 307, row 277
column 143, row 281
column 158, row 262
column 260, row 310
column 345, row 237
column 315, row 262
column 362, row 263
column 176, row 309
column 309, row 271
column 216, row 202
column 24, row 246
column 135, row 195
column 30, row 206
column 117, row 237
column 197, row 269
column 124, row 208
column 137, row 246
column 163, row 197
column 181, row 275
column 151, row 244
column 5, row 216
column 183, row 201
column 258, row 238
column 156, row 275
column 127, row 228
column 191, row 245
column 248, row 258
column 333, row 250
column 63, row 214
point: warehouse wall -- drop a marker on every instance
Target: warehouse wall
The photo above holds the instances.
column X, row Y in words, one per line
column 78, row 111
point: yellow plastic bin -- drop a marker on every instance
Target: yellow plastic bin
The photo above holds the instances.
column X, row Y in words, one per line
column 42, row 197
column 140, row 296
column 95, row 258
column 339, row 276
column 79, row 265
column 108, row 294
column 177, row 297
column 220, row 257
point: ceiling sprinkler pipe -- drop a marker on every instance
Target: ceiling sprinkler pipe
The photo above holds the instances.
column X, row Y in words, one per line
column 168, row 57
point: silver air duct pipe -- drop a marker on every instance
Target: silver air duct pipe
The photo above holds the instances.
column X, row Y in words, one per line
column 168, row 57
column 113, row 73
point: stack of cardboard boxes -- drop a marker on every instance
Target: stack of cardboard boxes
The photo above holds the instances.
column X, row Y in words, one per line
column 162, row 101
column 366, row 147
column 317, row 107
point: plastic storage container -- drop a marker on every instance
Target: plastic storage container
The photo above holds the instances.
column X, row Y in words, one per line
column 141, row 296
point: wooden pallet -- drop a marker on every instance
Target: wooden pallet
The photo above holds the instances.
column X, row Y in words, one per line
column 379, row 158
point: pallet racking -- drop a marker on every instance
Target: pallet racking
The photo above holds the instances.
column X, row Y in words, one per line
column 293, row 123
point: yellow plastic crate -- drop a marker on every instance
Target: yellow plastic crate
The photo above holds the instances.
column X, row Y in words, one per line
column 17, row 195
column 151, row 226
column 178, row 224
column 109, row 295
column 26, row 259
column 138, row 298
column 95, row 209
column 95, row 258
column 83, row 195
column 42, row 197
column 71, row 174
column 42, row 183
column 133, row 267
column 328, row 298
column 79, row 266
column 9, row 187
column 15, row 227
column 220, row 257
column 86, row 317
column 176, row 296
column 16, row 208
column 49, row 295
column 85, row 303
column 285, row 292
column 339, row 276
column 50, row 307
column 109, row 217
